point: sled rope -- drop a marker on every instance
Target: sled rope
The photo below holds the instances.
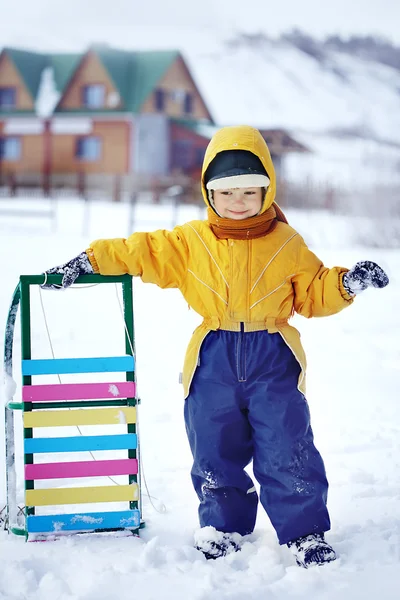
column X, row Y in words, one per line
column 163, row 508
column 141, row 468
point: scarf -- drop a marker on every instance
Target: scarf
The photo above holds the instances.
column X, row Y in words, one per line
column 246, row 229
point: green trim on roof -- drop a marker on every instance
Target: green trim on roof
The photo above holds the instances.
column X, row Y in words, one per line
column 86, row 112
column 17, row 113
column 149, row 68
column 135, row 74
column 30, row 66
column 64, row 66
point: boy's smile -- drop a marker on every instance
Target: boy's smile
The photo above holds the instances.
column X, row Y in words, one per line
column 238, row 203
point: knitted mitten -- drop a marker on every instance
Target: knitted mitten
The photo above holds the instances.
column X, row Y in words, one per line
column 364, row 274
column 80, row 265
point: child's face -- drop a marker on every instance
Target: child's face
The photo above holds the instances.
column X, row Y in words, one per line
column 238, row 203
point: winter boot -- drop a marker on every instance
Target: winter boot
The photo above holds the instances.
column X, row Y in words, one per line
column 312, row 550
column 214, row 544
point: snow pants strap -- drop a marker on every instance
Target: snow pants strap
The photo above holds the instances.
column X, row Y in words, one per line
column 271, row 324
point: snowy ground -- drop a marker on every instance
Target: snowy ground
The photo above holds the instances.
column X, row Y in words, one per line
column 353, row 383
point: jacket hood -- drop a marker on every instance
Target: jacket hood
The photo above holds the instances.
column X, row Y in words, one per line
column 241, row 137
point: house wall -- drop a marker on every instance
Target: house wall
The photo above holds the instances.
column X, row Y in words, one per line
column 151, row 155
column 32, row 155
column 90, row 71
column 177, row 78
column 189, row 146
column 115, row 157
column 9, row 77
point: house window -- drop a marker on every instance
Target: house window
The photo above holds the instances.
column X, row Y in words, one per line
column 177, row 95
column 159, row 99
column 10, row 148
column 188, row 103
column 88, row 148
column 94, row 95
column 7, row 97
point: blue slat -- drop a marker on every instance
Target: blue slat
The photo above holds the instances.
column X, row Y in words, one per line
column 125, row 441
column 127, row 519
column 58, row 366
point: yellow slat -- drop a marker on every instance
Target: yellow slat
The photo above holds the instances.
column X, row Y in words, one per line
column 81, row 416
column 79, row 495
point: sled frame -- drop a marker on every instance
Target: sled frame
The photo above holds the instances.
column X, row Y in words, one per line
column 21, row 298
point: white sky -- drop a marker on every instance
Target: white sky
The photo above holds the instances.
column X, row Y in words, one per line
column 60, row 25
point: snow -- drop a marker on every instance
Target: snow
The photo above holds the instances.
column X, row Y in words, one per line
column 343, row 107
column 353, row 383
column 113, row 389
column 281, row 86
column 10, row 387
column 26, row 126
column 75, row 125
column 48, row 95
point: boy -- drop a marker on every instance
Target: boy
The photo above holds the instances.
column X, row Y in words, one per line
column 245, row 271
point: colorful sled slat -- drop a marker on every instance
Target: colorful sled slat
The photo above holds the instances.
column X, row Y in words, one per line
column 127, row 519
column 85, row 416
column 82, row 495
column 63, row 470
column 126, row 441
column 59, row 366
column 78, row 391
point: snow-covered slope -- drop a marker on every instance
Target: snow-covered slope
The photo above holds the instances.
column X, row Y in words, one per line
column 271, row 83
column 345, row 108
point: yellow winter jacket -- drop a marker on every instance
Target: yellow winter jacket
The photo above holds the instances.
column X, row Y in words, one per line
column 258, row 282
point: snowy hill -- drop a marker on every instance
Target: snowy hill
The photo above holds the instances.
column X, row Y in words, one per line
column 342, row 103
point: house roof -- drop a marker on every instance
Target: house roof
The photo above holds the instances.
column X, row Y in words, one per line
column 203, row 128
column 279, row 141
column 148, row 69
column 134, row 74
column 30, row 66
column 64, row 66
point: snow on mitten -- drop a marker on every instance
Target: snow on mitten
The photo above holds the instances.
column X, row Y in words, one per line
column 80, row 265
column 364, row 274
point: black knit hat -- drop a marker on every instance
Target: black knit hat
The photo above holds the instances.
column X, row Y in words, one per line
column 231, row 163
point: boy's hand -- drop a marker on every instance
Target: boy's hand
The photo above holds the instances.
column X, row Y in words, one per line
column 364, row 274
column 80, row 265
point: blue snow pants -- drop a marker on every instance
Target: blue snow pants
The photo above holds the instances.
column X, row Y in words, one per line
column 244, row 405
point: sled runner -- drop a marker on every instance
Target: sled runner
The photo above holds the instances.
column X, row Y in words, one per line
column 55, row 406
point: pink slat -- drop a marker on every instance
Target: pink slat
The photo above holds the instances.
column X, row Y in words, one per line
column 91, row 468
column 78, row 391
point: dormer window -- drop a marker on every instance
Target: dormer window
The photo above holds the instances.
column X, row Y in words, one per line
column 159, row 99
column 188, row 103
column 8, row 96
column 94, row 95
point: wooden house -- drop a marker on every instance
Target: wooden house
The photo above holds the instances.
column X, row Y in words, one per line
column 105, row 111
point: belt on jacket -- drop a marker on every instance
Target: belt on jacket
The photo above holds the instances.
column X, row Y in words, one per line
column 271, row 324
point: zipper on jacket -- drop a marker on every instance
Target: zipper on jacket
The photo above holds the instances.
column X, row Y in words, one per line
column 241, row 355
